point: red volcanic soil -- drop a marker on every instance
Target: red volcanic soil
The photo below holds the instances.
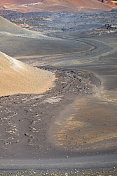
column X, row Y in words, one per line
column 53, row 5
column 18, row 1
column 111, row 3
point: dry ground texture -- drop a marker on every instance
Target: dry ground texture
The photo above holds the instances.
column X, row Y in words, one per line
column 78, row 115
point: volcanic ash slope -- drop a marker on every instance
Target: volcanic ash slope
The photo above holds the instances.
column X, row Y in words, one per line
column 9, row 28
column 19, row 78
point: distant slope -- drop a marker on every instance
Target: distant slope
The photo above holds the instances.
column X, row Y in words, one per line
column 9, row 28
column 53, row 5
column 19, row 78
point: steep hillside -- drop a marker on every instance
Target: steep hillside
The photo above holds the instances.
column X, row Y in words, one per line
column 19, row 78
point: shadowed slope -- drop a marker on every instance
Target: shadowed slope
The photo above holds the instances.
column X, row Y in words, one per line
column 9, row 28
column 17, row 77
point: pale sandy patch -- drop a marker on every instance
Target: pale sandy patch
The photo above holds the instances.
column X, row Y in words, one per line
column 53, row 100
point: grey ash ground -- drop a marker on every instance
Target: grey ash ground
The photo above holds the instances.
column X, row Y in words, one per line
column 25, row 119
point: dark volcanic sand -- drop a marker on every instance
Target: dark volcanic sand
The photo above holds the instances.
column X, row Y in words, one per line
column 61, row 172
